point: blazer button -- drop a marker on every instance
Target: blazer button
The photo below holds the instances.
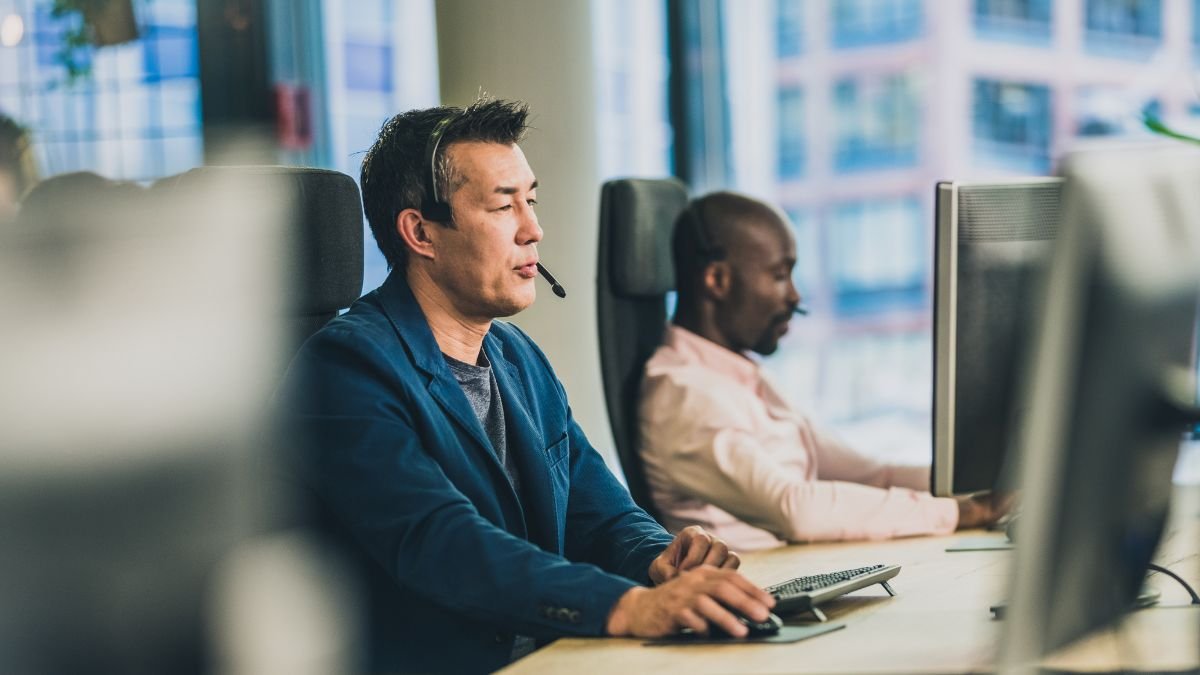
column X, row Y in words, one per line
column 573, row 616
column 500, row 638
column 563, row 614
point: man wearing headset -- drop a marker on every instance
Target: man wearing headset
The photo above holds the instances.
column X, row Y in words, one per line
column 721, row 447
column 442, row 443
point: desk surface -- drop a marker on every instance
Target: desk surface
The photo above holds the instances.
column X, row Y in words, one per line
column 939, row 621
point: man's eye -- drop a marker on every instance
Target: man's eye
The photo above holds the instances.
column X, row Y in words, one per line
column 531, row 202
column 506, row 207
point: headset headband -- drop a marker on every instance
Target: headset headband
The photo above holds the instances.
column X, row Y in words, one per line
column 434, row 207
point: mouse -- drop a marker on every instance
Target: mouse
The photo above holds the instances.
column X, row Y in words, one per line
column 765, row 629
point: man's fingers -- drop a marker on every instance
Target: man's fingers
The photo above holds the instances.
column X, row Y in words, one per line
column 695, row 548
column 732, row 561
column 742, row 602
column 663, row 570
column 671, row 553
column 716, row 614
column 717, row 552
column 751, row 590
column 687, row 618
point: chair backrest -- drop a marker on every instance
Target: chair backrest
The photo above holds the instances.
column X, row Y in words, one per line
column 634, row 275
column 323, row 262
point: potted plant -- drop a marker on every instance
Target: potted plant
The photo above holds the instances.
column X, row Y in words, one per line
column 98, row 23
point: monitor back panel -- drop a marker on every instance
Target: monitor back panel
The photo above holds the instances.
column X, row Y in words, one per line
column 992, row 243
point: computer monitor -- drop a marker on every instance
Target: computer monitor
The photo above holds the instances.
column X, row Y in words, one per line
column 992, row 241
column 1111, row 390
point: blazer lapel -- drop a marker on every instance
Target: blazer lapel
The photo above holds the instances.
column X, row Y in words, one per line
column 529, row 447
column 409, row 322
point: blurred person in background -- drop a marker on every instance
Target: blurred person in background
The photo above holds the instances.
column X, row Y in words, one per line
column 441, row 443
column 722, row 448
column 80, row 199
column 18, row 172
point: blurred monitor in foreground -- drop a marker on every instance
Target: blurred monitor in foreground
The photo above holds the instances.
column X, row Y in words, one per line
column 992, row 244
column 1110, row 392
column 139, row 347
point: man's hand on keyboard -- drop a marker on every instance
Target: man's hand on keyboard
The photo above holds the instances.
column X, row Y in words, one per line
column 982, row 509
column 693, row 599
column 692, row 547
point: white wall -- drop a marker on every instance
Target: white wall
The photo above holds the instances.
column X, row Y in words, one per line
column 540, row 51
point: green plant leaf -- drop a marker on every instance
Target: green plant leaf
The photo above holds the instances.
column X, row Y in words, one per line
column 1156, row 125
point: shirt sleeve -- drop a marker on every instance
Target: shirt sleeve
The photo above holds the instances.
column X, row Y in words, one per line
column 716, row 457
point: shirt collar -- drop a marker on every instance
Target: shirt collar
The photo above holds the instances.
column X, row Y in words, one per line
column 713, row 356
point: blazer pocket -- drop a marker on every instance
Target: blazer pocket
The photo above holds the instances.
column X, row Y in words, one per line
column 558, row 451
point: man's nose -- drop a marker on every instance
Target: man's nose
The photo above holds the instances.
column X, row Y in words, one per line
column 794, row 297
column 529, row 231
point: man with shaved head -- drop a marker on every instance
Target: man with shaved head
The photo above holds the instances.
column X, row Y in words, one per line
column 722, row 449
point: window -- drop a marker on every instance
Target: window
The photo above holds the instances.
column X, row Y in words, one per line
column 371, row 75
column 1025, row 21
column 789, row 27
column 877, row 123
column 1123, row 28
column 1196, row 28
column 1011, row 125
column 878, row 255
column 791, row 133
column 1109, row 111
column 632, row 120
column 870, row 22
column 136, row 116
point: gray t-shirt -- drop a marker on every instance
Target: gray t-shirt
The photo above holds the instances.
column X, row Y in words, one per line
column 478, row 382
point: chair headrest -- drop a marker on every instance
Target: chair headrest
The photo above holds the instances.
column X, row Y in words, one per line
column 324, row 264
column 640, row 214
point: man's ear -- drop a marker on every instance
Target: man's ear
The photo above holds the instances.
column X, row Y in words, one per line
column 416, row 232
column 717, row 280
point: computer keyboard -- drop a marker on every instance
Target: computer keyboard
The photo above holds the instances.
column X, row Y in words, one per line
column 803, row 594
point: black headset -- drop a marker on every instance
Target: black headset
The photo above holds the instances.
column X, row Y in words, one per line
column 433, row 207
column 703, row 239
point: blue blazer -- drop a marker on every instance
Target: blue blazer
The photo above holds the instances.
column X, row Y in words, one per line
column 403, row 469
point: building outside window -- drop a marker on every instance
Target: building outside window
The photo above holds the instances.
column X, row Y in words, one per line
column 858, row 23
column 878, row 255
column 1123, row 28
column 135, row 115
column 632, row 119
column 789, row 27
column 1011, row 125
column 1024, row 21
column 877, row 122
column 792, row 152
column 1196, row 29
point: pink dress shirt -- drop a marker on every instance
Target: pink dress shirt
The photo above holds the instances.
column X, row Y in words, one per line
column 723, row 450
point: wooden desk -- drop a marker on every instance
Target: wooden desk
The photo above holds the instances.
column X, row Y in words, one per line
column 939, row 621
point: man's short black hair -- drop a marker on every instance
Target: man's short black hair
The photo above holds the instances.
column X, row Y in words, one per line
column 394, row 171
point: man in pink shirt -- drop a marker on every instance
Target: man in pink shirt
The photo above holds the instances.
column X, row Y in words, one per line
column 721, row 447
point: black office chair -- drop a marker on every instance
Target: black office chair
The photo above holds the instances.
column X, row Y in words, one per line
column 634, row 275
column 322, row 264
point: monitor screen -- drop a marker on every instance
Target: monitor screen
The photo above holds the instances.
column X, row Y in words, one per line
column 992, row 242
column 1111, row 392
